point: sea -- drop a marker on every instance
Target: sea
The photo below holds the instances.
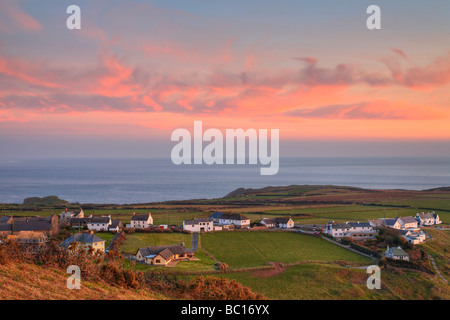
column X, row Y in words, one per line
column 127, row 181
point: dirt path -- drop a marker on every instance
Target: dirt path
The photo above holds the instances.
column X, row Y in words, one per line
column 436, row 268
column 278, row 269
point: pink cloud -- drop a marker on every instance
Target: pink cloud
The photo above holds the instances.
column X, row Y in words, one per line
column 20, row 18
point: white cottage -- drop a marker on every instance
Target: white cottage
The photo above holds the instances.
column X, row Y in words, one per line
column 199, row 225
column 141, row 221
column 397, row 254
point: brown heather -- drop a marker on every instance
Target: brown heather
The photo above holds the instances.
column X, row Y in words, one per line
column 43, row 276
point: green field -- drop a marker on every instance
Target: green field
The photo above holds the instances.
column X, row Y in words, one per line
column 337, row 213
column 141, row 240
column 251, row 249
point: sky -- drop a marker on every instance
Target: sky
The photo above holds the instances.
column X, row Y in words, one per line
column 137, row 70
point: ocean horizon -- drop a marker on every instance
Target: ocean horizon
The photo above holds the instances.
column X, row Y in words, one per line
column 144, row 180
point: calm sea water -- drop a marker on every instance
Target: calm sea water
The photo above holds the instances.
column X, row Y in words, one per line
column 147, row 180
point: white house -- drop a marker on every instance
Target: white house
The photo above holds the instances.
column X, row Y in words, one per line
column 141, row 221
column 397, row 254
column 427, row 219
column 279, row 222
column 239, row 220
column 66, row 215
column 99, row 223
column 199, row 224
column 356, row 230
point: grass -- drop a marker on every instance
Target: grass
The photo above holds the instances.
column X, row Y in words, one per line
column 107, row 236
column 250, row 249
column 323, row 214
column 323, row 281
column 141, row 240
column 439, row 248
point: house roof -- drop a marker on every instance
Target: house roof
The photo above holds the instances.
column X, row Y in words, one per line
column 233, row 216
column 5, row 219
column 359, row 224
column 71, row 212
column 427, row 215
column 399, row 252
column 408, row 219
column 163, row 250
column 340, row 226
column 81, row 237
column 140, row 217
column 99, row 220
column 166, row 253
column 277, row 220
column 79, row 220
column 216, row 215
column 390, row 222
column 115, row 223
column 5, row 227
column 34, row 225
column 198, row 220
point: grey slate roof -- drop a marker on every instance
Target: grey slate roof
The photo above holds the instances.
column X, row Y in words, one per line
column 4, row 219
column 408, row 219
column 216, row 215
column 197, row 220
column 233, row 216
column 114, row 224
column 359, row 224
column 98, row 220
column 390, row 222
column 399, row 252
column 426, row 215
column 277, row 220
column 140, row 217
column 341, row 226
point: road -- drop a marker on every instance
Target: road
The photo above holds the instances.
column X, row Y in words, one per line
column 194, row 241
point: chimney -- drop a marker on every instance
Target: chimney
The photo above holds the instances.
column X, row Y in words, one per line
column 92, row 232
column 182, row 244
column 134, row 213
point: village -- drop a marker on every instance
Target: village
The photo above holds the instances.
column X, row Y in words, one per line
column 86, row 232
